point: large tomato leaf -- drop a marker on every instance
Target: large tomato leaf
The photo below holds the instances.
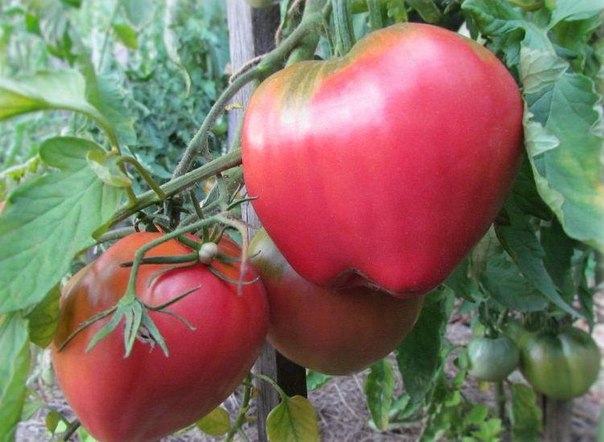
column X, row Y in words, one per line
column 420, row 355
column 563, row 114
column 379, row 388
column 95, row 97
column 563, row 120
column 50, row 219
column 294, row 419
column 14, row 369
column 525, row 414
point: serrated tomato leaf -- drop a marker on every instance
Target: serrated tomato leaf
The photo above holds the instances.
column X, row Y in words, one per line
column 50, row 219
column 216, row 423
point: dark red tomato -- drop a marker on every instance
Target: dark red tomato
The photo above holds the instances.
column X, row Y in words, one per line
column 332, row 331
column 383, row 168
column 148, row 395
column 561, row 366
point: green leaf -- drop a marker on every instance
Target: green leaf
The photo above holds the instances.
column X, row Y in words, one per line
column 563, row 143
column 139, row 12
column 575, row 10
column 43, row 318
column 521, row 242
column 50, row 219
column 293, row 420
column 489, row 430
column 53, row 418
column 126, row 35
column 14, row 369
column 506, row 284
column 419, row 356
column 50, row 90
column 216, row 423
column 427, row 10
column 525, row 414
column 107, row 168
column 477, row 414
column 315, row 380
column 379, row 388
column 171, row 41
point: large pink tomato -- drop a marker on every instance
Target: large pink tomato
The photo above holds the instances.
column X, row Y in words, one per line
column 329, row 330
column 384, row 168
column 147, row 395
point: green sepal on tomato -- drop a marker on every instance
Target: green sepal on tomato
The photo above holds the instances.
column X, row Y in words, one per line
column 333, row 331
column 561, row 365
column 149, row 395
column 383, row 168
column 492, row 359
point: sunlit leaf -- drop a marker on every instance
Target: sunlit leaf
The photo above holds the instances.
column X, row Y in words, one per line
column 293, row 420
column 50, row 219
column 216, row 423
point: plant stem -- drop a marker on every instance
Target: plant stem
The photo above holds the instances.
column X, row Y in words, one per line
column 199, row 141
column 500, row 398
column 245, row 405
column 179, row 184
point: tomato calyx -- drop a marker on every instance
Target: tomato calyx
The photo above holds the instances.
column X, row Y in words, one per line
column 137, row 322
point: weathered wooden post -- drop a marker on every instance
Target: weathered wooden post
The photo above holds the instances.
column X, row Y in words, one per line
column 251, row 33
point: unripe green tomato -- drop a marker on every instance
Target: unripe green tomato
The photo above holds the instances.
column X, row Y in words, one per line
column 260, row 3
column 492, row 359
column 516, row 331
column 561, row 366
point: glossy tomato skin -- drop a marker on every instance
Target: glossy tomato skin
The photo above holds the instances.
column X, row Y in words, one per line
column 148, row 395
column 561, row 366
column 332, row 331
column 492, row 359
column 385, row 167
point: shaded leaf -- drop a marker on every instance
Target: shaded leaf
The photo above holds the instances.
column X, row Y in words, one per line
column 50, row 219
column 14, row 369
column 419, row 356
column 525, row 414
column 43, row 318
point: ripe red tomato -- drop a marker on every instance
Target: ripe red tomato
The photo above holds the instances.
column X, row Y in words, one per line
column 383, row 168
column 332, row 331
column 148, row 395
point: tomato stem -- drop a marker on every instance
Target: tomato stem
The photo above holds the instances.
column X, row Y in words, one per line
column 145, row 175
column 274, row 384
column 245, row 406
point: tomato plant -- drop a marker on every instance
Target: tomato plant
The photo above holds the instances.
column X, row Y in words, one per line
column 329, row 330
column 213, row 335
column 402, row 166
column 560, row 365
column 492, row 359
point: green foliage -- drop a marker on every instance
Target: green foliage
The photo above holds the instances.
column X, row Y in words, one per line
column 525, row 415
column 379, row 388
column 294, row 419
column 14, row 368
column 216, row 423
column 57, row 211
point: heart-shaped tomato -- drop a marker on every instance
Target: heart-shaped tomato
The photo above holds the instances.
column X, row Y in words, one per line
column 149, row 395
column 384, row 168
